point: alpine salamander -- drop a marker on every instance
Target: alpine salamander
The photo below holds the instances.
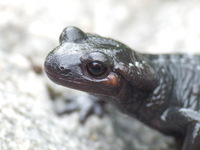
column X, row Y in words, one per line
column 162, row 91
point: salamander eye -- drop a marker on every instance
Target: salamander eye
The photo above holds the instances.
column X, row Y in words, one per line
column 96, row 68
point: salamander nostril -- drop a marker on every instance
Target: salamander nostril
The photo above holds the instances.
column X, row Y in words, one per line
column 61, row 68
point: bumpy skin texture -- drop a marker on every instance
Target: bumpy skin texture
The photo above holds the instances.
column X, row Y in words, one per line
column 162, row 91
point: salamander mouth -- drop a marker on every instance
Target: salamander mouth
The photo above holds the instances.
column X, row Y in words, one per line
column 80, row 82
column 49, row 71
column 63, row 80
column 52, row 76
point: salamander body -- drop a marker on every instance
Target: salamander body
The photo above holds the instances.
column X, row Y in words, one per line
column 162, row 91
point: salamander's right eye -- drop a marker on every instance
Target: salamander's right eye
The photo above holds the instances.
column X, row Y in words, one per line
column 96, row 69
column 72, row 34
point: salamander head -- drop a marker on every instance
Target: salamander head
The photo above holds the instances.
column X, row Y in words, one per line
column 85, row 62
column 98, row 65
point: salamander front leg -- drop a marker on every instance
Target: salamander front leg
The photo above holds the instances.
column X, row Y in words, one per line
column 192, row 139
column 87, row 105
column 184, row 124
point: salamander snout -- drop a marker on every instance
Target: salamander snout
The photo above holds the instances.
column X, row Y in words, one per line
column 54, row 65
column 72, row 34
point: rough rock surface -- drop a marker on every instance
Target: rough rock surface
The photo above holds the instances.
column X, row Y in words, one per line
column 30, row 29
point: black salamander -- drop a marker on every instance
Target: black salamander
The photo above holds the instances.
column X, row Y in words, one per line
column 162, row 91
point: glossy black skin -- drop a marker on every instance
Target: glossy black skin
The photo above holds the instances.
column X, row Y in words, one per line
column 162, row 91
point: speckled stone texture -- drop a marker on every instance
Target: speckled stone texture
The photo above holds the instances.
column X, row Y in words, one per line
column 30, row 29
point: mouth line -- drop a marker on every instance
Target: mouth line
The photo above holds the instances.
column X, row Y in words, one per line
column 52, row 74
column 77, row 83
column 60, row 79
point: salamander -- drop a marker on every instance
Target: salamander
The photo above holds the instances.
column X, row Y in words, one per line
column 162, row 91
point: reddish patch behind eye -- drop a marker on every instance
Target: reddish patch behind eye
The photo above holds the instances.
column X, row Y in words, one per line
column 112, row 81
